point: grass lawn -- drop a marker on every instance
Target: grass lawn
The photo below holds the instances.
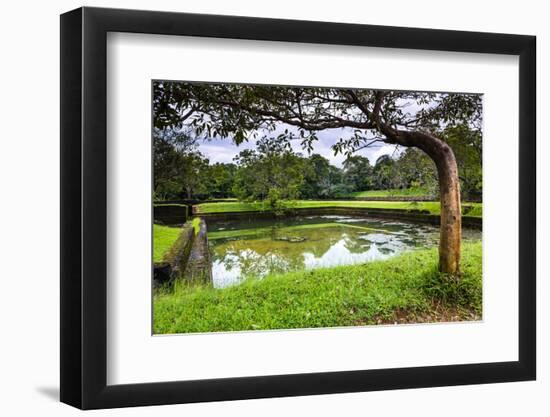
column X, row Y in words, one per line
column 470, row 209
column 404, row 289
column 196, row 224
column 473, row 209
column 406, row 192
column 163, row 239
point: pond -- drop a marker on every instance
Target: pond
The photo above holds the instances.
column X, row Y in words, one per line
column 254, row 248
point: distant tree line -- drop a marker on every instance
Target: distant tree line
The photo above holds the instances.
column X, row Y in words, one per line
column 274, row 172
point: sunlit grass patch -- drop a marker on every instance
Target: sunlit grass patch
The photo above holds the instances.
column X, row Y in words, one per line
column 163, row 239
column 352, row 295
column 431, row 207
column 396, row 192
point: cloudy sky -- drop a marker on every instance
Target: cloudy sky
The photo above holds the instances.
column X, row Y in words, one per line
column 224, row 150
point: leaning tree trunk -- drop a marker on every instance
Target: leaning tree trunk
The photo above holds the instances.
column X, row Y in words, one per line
column 449, row 190
column 451, row 216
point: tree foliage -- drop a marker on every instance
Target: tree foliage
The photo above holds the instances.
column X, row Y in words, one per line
column 362, row 117
column 467, row 146
column 274, row 171
column 185, row 113
column 358, row 173
column 271, row 173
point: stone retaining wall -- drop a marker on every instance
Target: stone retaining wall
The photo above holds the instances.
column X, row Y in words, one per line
column 420, row 216
column 199, row 267
column 170, row 214
column 188, row 259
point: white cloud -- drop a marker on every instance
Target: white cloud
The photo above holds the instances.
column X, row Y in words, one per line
column 224, row 150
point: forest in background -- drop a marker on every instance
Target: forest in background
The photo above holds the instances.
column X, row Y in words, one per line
column 273, row 171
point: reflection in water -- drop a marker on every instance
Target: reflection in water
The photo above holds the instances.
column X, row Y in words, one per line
column 242, row 249
column 339, row 254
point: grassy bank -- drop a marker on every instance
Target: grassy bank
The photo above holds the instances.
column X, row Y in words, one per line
column 407, row 288
column 433, row 207
column 163, row 239
column 396, row 192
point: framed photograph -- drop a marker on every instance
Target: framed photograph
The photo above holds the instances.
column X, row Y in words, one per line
column 258, row 208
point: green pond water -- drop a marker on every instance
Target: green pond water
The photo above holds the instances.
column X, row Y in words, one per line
column 254, row 248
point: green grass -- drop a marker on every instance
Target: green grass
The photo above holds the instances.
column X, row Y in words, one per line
column 406, row 192
column 473, row 209
column 406, row 288
column 227, row 207
column 433, row 207
column 169, row 205
column 163, row 239
column 196, row 222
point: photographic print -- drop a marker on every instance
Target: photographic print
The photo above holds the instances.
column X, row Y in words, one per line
column 290, row 207
column 326, row 214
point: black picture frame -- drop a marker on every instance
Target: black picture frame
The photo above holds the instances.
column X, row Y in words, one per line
column 84, row 207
